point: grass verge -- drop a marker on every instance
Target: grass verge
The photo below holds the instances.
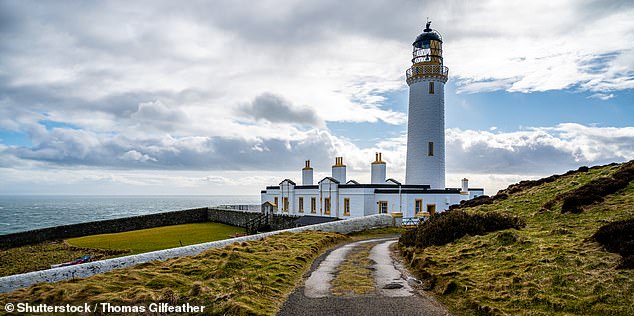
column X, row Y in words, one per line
column 158, row 238
column 550, row 267
column 250, row 278
column 42, row 256
column 355, row 275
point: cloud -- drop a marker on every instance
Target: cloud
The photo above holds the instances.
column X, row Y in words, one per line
column 276, row 109
column 544, row 150
column 136, row 156
column 231, row 85
column 602, row 96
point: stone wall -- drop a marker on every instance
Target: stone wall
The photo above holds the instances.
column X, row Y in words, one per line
column 13, row 282
column 239, row 218
column 230, row 217
column 104, row 227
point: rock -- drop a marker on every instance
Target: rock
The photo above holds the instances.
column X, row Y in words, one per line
column 391, row 286
column 413, row 281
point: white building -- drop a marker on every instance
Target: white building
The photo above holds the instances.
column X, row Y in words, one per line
column 424, row 191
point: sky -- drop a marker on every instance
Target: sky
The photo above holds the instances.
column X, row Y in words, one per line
column 226, row 97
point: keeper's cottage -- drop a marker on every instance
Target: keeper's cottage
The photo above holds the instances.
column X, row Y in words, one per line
column 424, row 192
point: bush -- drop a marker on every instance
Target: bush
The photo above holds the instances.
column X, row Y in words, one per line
column 446, row 227
column 595, row 190
column 618, row 237
column 480, row 200
column 527, row 184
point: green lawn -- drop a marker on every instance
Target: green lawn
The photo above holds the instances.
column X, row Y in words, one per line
column 151, row 239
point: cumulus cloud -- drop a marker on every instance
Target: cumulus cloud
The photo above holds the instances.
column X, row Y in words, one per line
column 542, row 150
column 136, row 156
column 276, row 109
column 159, row 86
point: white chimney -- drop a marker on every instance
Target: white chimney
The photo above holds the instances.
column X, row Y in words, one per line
column 339, row 170
column 378, row 173
column 465, row 186
column 307, row 174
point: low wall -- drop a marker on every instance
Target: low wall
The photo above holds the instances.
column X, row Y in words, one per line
column 104, row 227
column 13, row 282
column 239, row 218
column 117, row 225
column 230, row 217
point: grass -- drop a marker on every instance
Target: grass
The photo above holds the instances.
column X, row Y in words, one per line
column 550, row 267
column 377, row 233
column 355, row 275
column 42, row 256
column 158, row 238
column 250, row 278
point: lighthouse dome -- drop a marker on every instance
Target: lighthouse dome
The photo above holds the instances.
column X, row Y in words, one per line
column 428, row 35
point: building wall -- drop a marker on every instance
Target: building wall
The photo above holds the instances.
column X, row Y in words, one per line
column 426, row 123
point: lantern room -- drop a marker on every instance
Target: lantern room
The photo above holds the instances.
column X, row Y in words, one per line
column 427, row 57
column 428, row 47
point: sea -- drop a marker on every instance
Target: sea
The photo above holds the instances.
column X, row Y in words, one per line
column 28, row 212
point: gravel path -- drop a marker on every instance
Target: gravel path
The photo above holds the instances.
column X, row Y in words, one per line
column 394, row 295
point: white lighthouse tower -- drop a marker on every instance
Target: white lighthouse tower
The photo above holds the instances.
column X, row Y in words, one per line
column 426, row 118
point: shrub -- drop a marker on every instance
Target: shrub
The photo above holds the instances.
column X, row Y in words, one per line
column 618, row 237
column 480, row 200
column 595, row 190
column 527, row 184
column 446, row 227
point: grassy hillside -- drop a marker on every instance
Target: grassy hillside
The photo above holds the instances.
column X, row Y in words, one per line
column 550, row 266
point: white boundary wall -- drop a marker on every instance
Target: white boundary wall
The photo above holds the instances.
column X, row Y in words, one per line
column 14, row 282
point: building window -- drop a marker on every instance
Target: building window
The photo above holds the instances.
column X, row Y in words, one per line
column 430, row 149
column 431, row 87
column 346, row 207
column 431, row 209
column 313, row 205
column 285, row 206
column 275, row 201
column 327, row 206
column 418, row 206
column 382, row 207
column 301, row 204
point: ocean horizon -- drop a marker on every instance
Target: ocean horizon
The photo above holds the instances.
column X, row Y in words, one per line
column 28, row 212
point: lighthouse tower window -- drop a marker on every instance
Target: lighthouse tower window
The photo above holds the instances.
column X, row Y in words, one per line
column 430, row 149
column 431, row 87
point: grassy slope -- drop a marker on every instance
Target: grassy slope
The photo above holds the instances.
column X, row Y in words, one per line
column 144, row 240
column 552, row 267
column 248, row 278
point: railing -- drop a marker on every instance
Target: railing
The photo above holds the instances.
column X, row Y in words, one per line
column 241, row 207
column 255, row 225
column 426, row 70
column 409, row 222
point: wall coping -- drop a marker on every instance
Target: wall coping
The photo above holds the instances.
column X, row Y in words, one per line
column 17, row 281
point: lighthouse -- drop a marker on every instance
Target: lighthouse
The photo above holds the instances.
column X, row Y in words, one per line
column 426, row 117
column 423, row 193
